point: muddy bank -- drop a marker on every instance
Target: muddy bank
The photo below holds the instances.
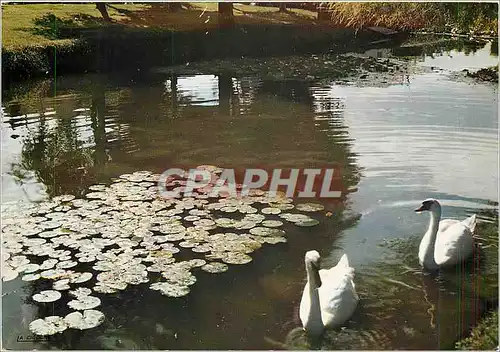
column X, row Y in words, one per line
column 118, row 49
column 349, row 68
column 489, row 74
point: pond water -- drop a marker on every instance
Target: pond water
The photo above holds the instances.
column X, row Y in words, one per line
column 430, row 136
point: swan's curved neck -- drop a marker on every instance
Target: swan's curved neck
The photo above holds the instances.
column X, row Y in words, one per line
column 434, row 221
column 314, row 281
column 313, row 276
column 429, row 241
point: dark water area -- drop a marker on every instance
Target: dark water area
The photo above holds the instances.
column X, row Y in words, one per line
column 393, row 145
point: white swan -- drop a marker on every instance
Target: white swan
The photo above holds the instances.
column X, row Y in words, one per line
column 446, row 242
column 329, row 298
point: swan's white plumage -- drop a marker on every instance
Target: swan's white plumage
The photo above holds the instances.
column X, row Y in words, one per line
column 337, row 298
column 454, row 242
column 446, row 242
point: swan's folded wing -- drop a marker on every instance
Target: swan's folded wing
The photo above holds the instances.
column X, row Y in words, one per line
column 335, row 294
column 453, row 245
column 470, row 222
column 338, row 298
column 446, row 223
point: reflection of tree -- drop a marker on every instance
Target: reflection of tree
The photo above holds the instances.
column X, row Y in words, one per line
column 56, row 157
column 227, row 97
column 97, row 116
column 435, row 46
column 494, row 48
column 225, row 93
column 290, row 90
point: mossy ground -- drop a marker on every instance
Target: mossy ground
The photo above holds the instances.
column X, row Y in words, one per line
column 484, row 336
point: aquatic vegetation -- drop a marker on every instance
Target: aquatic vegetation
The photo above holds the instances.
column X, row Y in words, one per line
column 80, row 292
column 48, row 326
column 61, row 285
column 129, row 235
column 171, row 290
column 47, row 296
column 84, row 302
column 215, row 267
column 89, row 319
column 309, row 207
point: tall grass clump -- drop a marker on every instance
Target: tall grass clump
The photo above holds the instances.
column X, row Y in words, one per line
column 407, row 16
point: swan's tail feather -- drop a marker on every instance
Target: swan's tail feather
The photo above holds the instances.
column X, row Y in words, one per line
column 471, row 222
column 344, row 261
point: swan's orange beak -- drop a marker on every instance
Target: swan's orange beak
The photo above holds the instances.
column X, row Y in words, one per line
column 420, row 209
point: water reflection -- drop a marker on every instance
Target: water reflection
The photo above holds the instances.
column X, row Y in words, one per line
column 393, row 147
column 450, row 54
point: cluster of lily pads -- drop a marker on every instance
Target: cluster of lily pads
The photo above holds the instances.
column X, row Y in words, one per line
column 125, row 234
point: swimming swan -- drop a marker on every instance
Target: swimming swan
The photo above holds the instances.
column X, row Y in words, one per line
column 446, row 242
column 329, row 298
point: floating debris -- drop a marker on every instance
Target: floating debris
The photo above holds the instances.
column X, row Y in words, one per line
column 47, row 296
column 48, row 326
column 89, row 319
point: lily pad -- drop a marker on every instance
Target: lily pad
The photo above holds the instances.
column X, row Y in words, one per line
column 48, row 326
column 236, row 258
column 48, row 264
column 309, row 207
column 266, row 231
column 61, row 285
column 9, row 274
column 171, row 290
column 84, row 302
column 273, row 211
column 272, row 223
column 47, row 296
column 307, row 223
column 30, row 277
column 215, row 267
column 78, row 278
column 89, row 319
column 80, row 292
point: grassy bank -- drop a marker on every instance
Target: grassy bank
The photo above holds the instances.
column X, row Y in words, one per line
column 482, row 337
column 42, row 39
column 38, row 25
column 467, row 18
column 48, row 39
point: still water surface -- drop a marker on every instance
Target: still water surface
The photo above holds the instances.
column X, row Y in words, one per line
column 395, row 146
